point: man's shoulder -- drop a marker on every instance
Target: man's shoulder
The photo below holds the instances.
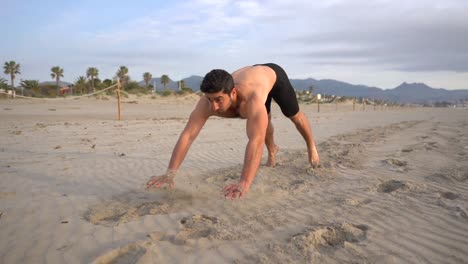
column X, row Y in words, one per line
column 203, row 108
column 241, row 71
column 255, row 102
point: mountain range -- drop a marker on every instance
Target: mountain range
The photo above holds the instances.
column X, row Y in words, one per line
column 418, row 93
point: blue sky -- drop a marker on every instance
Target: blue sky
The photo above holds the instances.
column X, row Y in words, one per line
column 377, row 43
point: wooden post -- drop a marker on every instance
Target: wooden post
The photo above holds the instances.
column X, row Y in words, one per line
column 354, row 104
column 118, row 98
column 319, row 96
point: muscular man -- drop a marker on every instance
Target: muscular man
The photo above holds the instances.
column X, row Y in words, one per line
column 247, row 94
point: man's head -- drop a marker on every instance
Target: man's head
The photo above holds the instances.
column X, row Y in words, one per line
column 217, row 81
column 218, row 86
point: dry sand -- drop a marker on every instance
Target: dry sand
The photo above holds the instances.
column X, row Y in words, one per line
column 393, row 187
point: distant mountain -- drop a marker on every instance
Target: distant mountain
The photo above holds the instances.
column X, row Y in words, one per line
column 333, row 87
column 172, row 85
column 418, row 93
column 157, row 82
column 193, row 82
column 404, row 93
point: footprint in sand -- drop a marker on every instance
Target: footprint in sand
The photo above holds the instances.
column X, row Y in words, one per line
column 407, row 150
column 357, row 201
column 390, row 186
column 329, row 237
column 343, row 154
column 222, row 177
column 131, row 206
column 449, row 175
column 449, row 195
column 115, row 212
column 395, row 162
column 396, row 165
column 195, row 230
column 127, row 254
column 314, row 245
column 201, row 227
column 431, row 145
column 453, row 206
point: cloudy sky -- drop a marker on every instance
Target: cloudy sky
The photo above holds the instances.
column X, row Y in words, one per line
column 377, row 43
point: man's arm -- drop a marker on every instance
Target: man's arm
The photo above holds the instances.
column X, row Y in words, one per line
column 257, row 122
column 195, row 123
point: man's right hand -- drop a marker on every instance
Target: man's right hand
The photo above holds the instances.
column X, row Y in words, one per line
column 158, row 181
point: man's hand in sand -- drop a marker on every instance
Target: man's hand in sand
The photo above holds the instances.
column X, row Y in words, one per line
column 158, row 181
column 233, row 191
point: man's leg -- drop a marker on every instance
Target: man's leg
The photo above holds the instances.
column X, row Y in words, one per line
column 270, row 144
column 303, row 126
column 283, row 93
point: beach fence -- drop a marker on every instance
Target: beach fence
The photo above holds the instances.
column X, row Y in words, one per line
column 117, row 86
column 345, row 103
column 337, row 103
column 9, row 93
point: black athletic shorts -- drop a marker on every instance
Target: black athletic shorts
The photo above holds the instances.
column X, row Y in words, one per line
column 282, row 92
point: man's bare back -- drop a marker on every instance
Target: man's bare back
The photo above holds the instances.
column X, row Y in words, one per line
column 252, row 83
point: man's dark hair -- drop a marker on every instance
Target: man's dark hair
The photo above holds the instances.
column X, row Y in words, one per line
column 217, row 80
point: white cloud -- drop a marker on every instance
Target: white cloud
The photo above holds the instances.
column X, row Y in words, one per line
column 397, row 38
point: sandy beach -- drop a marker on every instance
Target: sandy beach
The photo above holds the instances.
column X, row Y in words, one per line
column 393, row 186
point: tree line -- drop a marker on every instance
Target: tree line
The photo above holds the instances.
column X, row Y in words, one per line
column 82, row 85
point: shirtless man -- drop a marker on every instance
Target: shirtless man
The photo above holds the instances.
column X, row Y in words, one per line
column 246, row 94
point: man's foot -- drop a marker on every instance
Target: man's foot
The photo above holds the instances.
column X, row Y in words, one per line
column 315, row 165
column 314, row 159
column 272, row 157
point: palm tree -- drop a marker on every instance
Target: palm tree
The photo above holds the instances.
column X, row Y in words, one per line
column 3, row 83
column 122, row 75
column 92, row 73
column 106, row 83
column 80, row 84
column 164, row 80
column 12, row 69
column 29, row 84
column 57, row 72
column 147, row 77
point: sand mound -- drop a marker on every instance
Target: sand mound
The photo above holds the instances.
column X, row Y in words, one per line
column 391, row 186
column 123, row 255
column 326, row 237
column 201, row 227
column 133, row 205
column 451, row 174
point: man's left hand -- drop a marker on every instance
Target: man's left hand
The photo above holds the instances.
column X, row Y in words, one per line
column 234, row 191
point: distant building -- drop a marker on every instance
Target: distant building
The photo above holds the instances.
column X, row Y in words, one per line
column 65, row 90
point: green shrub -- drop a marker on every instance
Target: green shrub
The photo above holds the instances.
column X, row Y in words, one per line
column 166, row 92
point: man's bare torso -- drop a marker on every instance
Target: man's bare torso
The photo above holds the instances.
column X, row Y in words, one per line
column 253, row 84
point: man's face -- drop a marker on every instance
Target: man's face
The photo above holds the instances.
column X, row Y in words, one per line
column 220, row 102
